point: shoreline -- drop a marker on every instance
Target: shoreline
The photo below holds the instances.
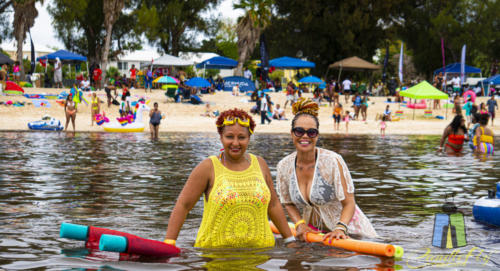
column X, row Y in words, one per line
column 185, row 117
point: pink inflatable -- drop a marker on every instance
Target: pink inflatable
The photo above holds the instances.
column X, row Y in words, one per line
column 470, row 94
column 421, row 105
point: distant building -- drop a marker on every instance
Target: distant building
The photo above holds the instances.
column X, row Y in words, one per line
column 124, row 62
column 11, row 49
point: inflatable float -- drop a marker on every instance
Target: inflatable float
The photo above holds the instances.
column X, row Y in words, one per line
column 136, row 126
column 421, row 105
column 470, row 94
column 112, row 240
column 487, row 210
column 12, row 88
column 372, row 248
column 47, row 123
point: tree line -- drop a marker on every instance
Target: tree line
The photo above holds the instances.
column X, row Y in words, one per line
column 323, row 31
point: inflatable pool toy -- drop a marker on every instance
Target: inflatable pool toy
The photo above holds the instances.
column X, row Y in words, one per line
column 47, row 123
column 111, row 240
column 365, row 247
column 395, row 119
column 420, row 105
column 12, row 88
column 440, row 117
column 487, row 210
column 470, row 94
column 136, row 126
column 101, row 118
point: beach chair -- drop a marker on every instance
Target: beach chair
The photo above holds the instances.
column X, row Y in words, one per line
column 171, row 93
column 428, row 113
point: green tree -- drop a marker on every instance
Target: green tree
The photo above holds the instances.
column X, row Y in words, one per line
column 167, row 23
column 80, row 25
column 112, row 10
column 5, row 26
column 24, row 18
column 255, row 20
column 326, row 31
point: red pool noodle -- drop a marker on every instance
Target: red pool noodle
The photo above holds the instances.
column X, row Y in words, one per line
column 136, row 245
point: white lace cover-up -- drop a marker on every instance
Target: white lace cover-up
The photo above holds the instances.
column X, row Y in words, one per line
column 326, row 192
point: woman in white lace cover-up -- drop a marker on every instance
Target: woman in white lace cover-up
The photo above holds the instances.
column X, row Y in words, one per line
column 317, row 181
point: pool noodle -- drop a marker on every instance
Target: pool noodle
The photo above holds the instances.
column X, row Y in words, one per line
column 137, row 246
column 92, row 236
column 372, row 248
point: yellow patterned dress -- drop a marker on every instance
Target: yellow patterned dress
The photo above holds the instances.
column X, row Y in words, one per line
column 235, row 213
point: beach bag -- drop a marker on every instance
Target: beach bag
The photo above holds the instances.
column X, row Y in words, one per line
column 449, row 228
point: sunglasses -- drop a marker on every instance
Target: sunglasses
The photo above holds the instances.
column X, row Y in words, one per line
column 300, row 132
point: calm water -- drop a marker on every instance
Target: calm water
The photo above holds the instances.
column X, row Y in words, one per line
column 130, row 183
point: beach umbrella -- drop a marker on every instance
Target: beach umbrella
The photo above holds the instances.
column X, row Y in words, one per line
column 311, row 79
column 166, row 80
column 286, row 62
column 424, row 90
column 198, row 82
column 5, row 60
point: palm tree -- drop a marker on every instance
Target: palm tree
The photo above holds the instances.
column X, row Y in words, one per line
column 257, row 17
column 24, row 18
column 112, row 10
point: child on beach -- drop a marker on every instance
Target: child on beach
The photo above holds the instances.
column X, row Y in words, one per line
column 383, row 125
column 337, row 114
column 347, row 117
column 208, row 112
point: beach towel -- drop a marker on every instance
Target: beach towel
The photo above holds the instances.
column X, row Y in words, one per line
column 41, row 103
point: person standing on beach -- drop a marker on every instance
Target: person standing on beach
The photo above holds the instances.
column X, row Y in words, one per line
column 346, row 85
column 58, row 73
column 148, row 81
column 3, row 77
column 383, row 125
column 154, row 121
column 492, row 104
column 456, row 105
column 16, row 70
column 95, row 108
column 264, row 107
column 70, row 111
column 236, row 90
column 337, row 115
column 97, row 75
column 289, row 94
column 357, row 105
column 364, row 107
column 133, row 77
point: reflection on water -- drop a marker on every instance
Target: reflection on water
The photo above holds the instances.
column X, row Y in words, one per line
column 130, row 183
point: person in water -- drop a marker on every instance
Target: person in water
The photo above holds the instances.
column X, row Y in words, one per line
column 484, row 137
column 154, row 121
column 238, row 193
column 70, row 110
column 95, row 108
column 456, row 133
column 315, row 184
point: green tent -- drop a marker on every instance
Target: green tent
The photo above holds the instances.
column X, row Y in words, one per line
column 424, row 90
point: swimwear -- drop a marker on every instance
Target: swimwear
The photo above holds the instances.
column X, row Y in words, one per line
column 155, row 118
column 235, row 214
column 455, row 142
column 486, row 143
column 95, row 104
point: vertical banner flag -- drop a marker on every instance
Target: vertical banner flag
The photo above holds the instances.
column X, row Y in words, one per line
column 264, row 57
column 462, row 66
column 401, row 64
column 33, row 63
column 444, row 64
column 386, row 60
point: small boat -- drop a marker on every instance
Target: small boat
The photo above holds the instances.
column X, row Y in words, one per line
column 47, row 123
column 487, row 209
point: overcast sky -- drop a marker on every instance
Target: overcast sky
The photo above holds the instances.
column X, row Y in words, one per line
column 43, row 33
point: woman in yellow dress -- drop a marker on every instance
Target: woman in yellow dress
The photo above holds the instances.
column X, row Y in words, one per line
column 237, row 190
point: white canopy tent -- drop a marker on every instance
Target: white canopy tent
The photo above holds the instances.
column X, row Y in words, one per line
column 167, row 61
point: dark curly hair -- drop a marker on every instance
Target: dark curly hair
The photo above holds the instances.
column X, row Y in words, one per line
column 233, row 113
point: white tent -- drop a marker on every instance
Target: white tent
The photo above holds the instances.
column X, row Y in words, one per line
column 170, row 60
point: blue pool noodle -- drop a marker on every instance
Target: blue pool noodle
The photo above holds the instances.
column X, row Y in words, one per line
column 74, row 231
column 113, row 243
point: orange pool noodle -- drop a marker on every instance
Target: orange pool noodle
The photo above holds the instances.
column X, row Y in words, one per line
column 365, row 247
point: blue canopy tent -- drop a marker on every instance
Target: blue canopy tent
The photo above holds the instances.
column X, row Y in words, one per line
column 290, row 63
column 493, row 80
column 243, row 83
column 217, row 62
column 456, row 68
column 64, row 56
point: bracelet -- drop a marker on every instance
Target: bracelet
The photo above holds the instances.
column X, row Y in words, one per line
column 342, row 224
column 302, row 221
column 341, row 228
column 289, row 239
column 169, row 242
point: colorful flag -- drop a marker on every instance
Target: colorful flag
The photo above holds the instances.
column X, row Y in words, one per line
column 33, row 63
column 401, row 64
column 43, row 62
column 264, row 57
column 386, row 61
column 462, row 66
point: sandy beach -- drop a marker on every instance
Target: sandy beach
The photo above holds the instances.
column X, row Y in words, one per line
column 185, row 117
